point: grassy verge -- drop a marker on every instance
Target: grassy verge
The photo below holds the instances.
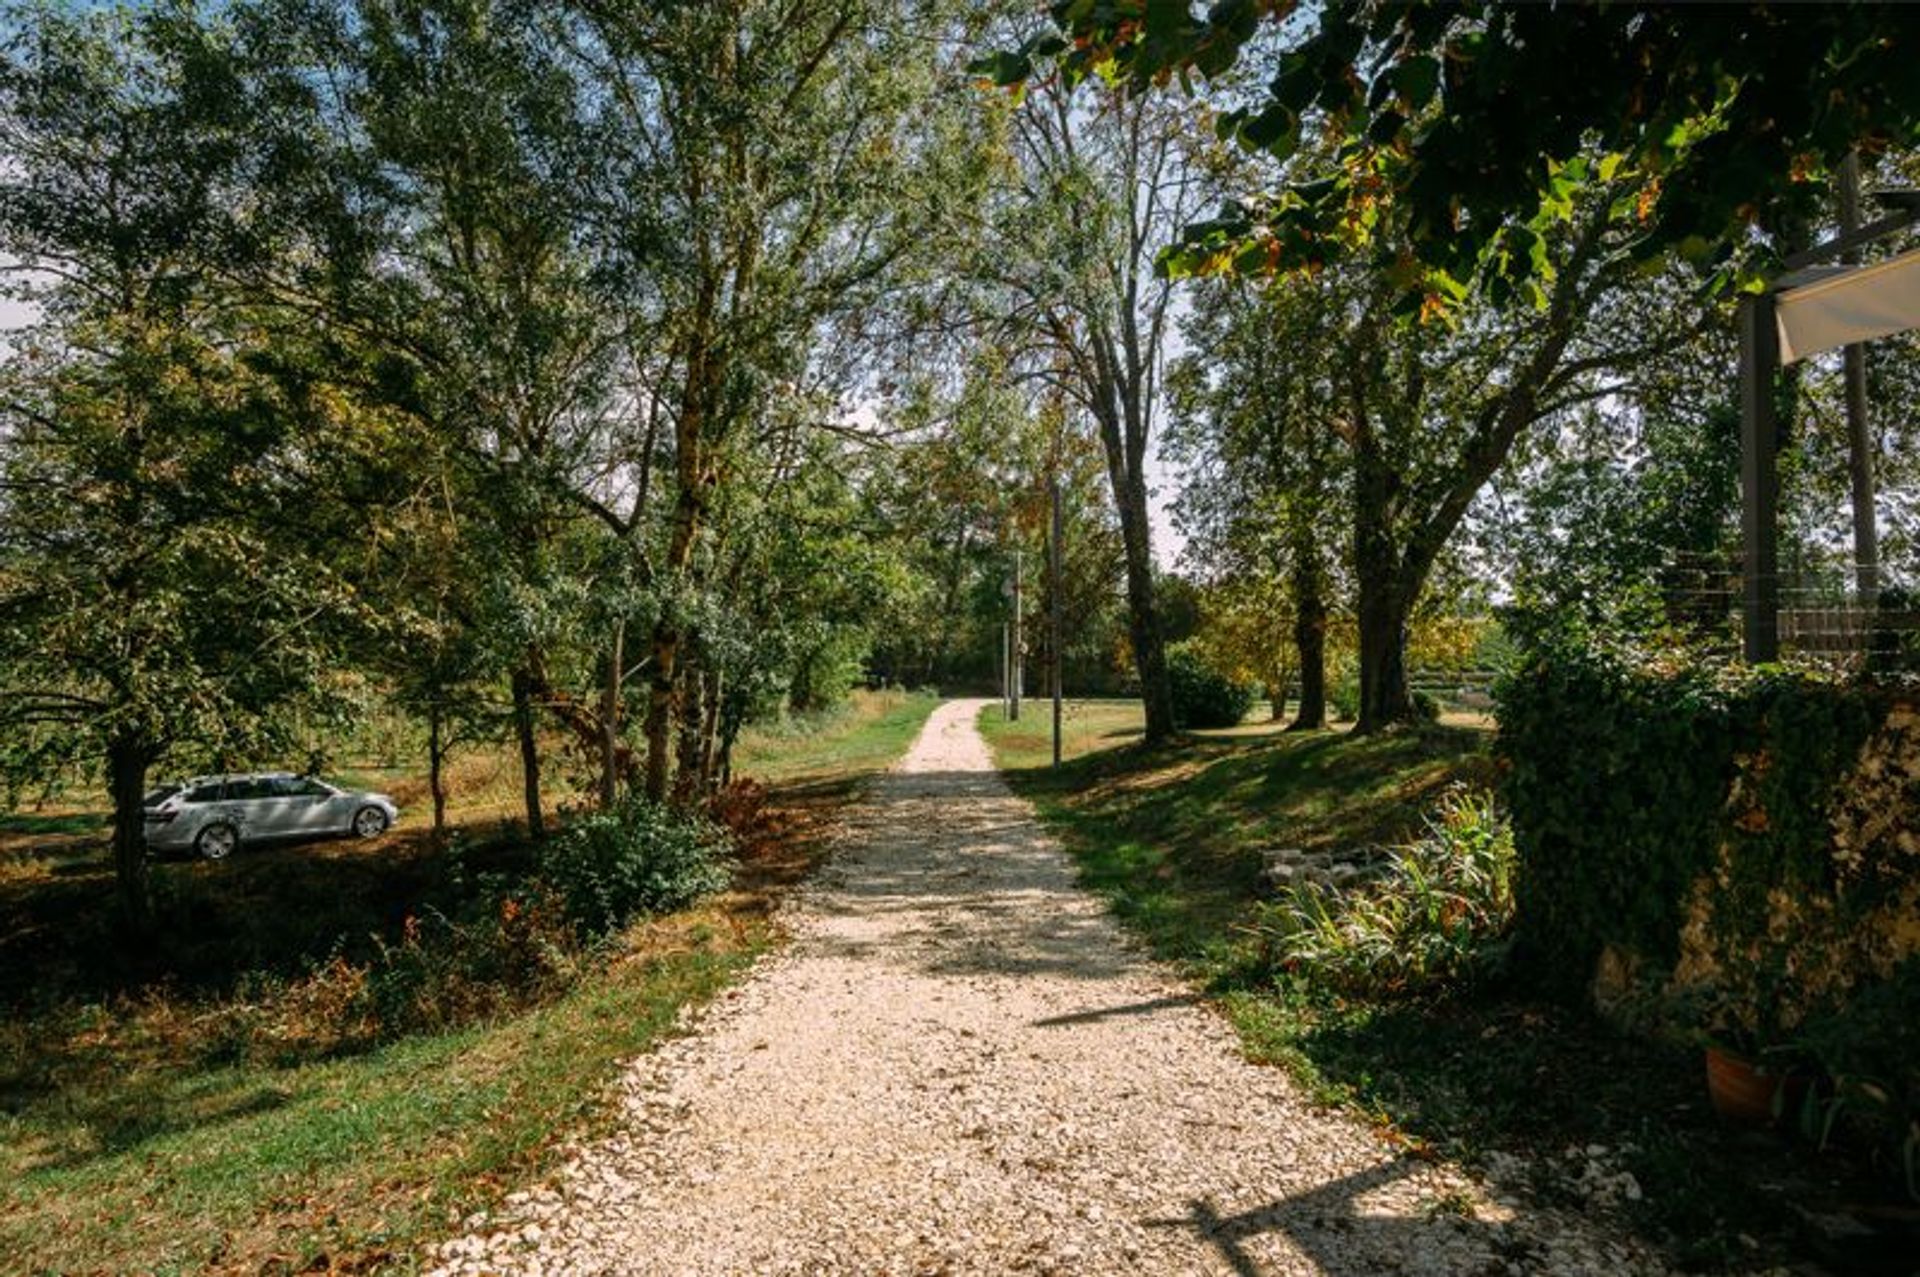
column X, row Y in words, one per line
column 1172, row 839
column 840, row 747
column 139, row 1133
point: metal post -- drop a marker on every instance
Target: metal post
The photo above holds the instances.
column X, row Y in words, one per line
column 1015, row 657
column 1053, row 601
column 1759, row 477
column 1001, row 661
column 1866, row 537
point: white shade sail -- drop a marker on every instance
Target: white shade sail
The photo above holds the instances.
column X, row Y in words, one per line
column 1857, row 304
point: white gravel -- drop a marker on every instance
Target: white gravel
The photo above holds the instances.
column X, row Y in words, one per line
column 960, row 1066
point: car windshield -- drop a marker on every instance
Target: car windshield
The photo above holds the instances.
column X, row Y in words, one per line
column 157, row 796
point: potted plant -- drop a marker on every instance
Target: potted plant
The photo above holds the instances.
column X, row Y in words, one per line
column 1756, row 1076
column 1754, row 1087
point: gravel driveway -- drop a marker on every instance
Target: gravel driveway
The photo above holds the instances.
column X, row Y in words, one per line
column 960, row 1066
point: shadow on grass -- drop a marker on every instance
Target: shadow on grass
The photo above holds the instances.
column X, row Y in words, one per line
column 1494, row 1069
column 269, row 911
column 1173, row 835
column 122, row 1118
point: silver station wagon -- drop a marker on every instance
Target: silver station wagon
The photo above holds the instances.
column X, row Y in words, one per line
column 213, row 815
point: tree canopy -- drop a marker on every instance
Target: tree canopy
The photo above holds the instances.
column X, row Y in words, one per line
column 1440, row 159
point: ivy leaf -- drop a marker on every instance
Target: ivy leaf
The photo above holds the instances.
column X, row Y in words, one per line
column 1416, row 80
column 1275, row 130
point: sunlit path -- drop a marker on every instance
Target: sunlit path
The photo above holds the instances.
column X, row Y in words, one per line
column 959, row 1066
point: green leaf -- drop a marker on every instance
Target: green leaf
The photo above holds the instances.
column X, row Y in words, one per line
column 1269, row 129
column 1416, row 80
column 1003, row 68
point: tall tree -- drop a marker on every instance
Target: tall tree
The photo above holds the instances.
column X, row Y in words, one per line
column 1255, row 399
column 1102, row 184
column 157, row 598
column 794, row 163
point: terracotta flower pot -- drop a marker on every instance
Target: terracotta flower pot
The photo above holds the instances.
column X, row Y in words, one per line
column 1741, row 1093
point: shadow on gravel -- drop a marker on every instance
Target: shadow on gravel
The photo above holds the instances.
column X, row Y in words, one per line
column 1327, row 1225
column 1109, row 1013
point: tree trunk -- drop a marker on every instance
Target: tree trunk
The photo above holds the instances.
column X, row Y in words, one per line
column 1383, row 604
column 689, row 784
column 127, row 762
column 1149, row 644
column 529, row 752
column 1310, row 634
column 710, row 727
column 436, row 781
column 1143, row 613
column 610, row 718
column 1384, row 695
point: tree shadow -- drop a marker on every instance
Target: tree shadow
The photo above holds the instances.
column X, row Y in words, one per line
column 1325, row 1224
column 270, row 911
column 120, row 1118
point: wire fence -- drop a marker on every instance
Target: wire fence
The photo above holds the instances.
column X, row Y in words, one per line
column 1824, row 616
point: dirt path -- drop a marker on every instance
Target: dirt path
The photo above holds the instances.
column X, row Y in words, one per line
column 959, row 1066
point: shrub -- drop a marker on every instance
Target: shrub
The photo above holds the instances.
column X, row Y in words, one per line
column 1442, row 909
column 510, row 952
column 634, row 858
column 1343, row 696
column 1202, row 696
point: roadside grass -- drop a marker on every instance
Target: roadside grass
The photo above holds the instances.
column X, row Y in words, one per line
column 838, row 747
column 141, row 1130
column 1171, row 837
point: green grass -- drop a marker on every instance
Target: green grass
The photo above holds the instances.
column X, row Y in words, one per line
column 844, row 745
column 135, row 1137
column 41, row 824
column 353, row 1159
column 1171, row 837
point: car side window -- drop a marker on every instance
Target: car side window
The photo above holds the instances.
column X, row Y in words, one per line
column 306, row 787
column 250, row 788
column 204, row 794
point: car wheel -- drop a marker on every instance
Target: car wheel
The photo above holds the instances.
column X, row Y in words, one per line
column 217, row 842
column 369, row 822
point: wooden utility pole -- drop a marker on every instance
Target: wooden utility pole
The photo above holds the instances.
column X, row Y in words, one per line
column 1015, row 663
column 1866, row 536
column 1053, row 606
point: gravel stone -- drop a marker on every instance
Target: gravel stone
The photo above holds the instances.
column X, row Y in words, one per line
column 960, row 1065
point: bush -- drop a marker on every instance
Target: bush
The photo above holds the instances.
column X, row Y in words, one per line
column 1202, row 696
column 1442, row 910
column 1343, row 696
column 509, row 951
column 634, row 858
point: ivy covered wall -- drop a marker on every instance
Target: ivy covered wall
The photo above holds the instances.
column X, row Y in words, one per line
column 1736, row 850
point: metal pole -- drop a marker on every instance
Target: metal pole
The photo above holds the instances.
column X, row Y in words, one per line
column 1759, row 478
column 1015, row 655
column 1001, row 661
column 1053, row 600
column 1866, row 537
